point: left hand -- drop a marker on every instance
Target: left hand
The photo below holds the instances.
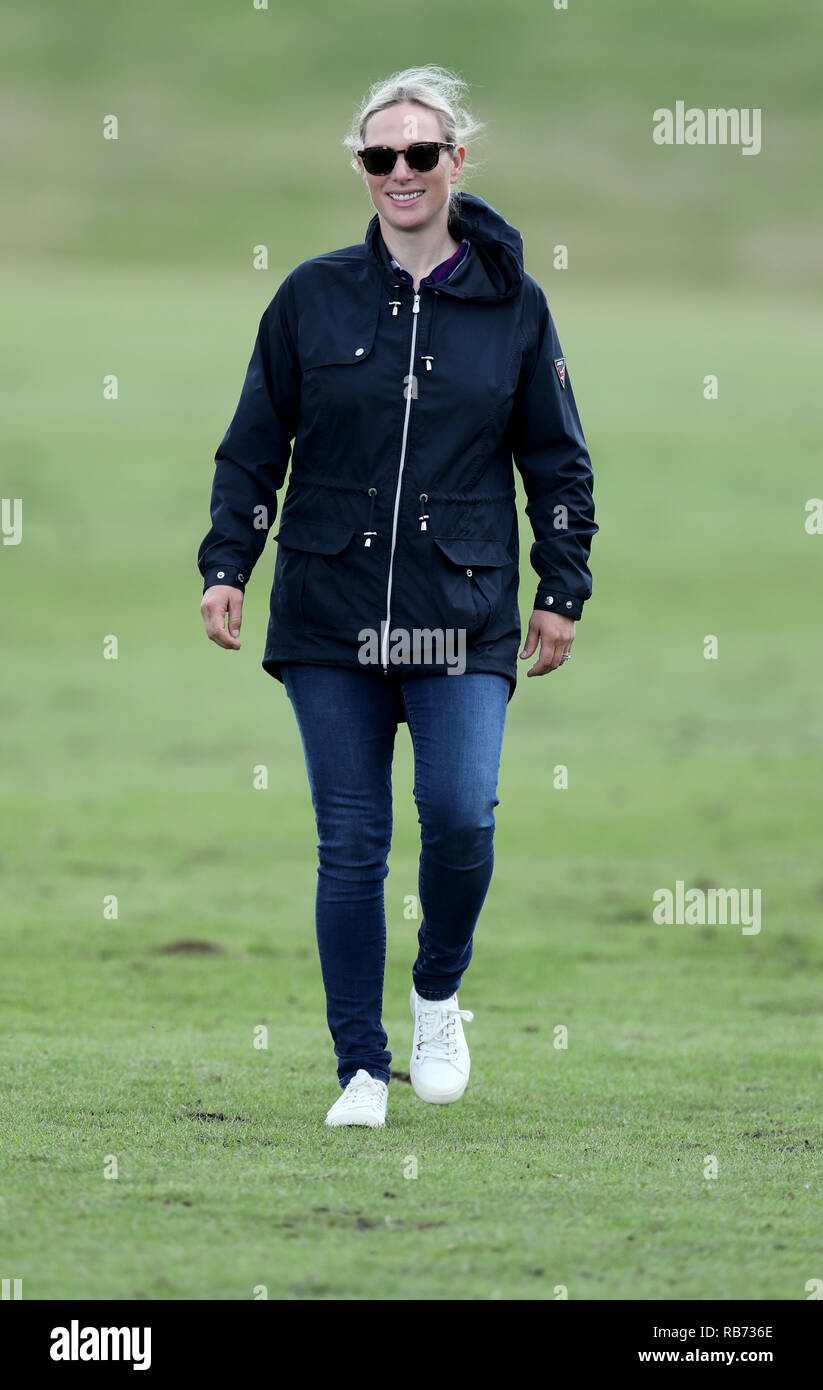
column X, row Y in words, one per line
column 555, row 634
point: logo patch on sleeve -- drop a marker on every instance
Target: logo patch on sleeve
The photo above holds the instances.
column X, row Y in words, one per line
column 560, row 368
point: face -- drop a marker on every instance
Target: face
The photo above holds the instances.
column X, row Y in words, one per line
column 399, row 126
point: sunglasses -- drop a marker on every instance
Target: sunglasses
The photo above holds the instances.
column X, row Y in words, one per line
column 422, row 156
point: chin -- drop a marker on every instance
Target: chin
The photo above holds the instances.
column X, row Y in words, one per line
column 405, row 219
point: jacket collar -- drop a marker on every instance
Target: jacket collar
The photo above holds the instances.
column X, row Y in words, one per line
column 492, row 270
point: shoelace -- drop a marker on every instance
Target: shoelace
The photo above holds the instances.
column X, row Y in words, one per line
column 437, row 1031
column 363, row 1091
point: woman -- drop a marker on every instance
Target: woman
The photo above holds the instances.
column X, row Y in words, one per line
column 409, row 370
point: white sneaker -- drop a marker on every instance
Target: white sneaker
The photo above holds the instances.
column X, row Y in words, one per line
column 440, row 1061
column 362, row 1103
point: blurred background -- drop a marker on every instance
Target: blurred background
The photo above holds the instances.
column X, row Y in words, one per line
column 134, row 777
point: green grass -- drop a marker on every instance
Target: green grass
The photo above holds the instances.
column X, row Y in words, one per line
column 231, row 122
column 581, row 1167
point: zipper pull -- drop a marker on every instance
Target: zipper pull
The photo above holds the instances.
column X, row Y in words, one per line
column 416, row 304
column 428, row 361
column 424, row 497
column 396, row 303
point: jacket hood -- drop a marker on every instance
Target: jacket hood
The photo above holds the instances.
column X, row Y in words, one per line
column 493, row 268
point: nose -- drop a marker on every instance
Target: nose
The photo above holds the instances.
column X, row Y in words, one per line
column 401, row 168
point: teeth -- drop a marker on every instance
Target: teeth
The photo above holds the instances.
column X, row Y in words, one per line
column 405, row 197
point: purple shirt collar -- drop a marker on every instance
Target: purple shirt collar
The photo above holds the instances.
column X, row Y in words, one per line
column 440, row 272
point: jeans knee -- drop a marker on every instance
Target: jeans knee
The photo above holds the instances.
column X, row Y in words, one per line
column 459, row 837
column 353, row 848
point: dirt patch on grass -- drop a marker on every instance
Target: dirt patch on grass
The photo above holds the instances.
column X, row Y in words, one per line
column 214, row 1115
column 189, row 946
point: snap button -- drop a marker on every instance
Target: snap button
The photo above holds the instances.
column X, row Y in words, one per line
column 468, row 572
column 242, row 578
column 359, row 352
column 221, row 574
column 550, row 601
column 569, row 604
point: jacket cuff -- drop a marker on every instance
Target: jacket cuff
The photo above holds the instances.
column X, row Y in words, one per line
column 225, row 574
column 549, row 600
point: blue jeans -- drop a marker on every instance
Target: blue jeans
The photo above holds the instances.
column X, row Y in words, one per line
column 347, row 721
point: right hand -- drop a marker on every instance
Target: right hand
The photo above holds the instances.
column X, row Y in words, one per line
column 219, row 600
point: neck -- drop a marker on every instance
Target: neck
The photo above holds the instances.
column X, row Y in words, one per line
column 419, row 250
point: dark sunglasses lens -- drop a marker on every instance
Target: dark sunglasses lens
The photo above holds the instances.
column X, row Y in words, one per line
column 422, row 156
column 379, row 161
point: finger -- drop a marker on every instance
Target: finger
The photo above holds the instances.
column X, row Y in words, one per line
column 214, row 617
column 530, row 644
column 235, row 612
column 225, row 639
column 548, row 660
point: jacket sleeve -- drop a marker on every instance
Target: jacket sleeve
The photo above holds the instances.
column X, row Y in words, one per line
column 253, row 456
column 551, row 454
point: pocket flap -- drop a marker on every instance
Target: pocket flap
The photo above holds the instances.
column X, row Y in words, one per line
column 321, row 537
column 326, row 342
column 473, row 550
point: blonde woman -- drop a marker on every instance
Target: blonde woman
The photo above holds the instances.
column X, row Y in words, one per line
column 404, row 376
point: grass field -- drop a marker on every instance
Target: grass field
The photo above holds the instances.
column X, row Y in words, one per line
column 579, row 1168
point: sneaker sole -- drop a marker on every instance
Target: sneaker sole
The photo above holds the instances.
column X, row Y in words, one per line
column 355, row 1124
column 439, row 1099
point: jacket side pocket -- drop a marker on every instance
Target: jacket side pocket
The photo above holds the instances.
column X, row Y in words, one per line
column 311, row 586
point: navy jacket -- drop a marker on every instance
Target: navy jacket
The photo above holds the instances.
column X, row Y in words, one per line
column 406, row 411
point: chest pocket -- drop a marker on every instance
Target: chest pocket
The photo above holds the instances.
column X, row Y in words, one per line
column 336, row 351
column 344, row 339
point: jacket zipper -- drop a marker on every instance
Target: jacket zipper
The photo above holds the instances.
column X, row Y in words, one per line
column 385, row 652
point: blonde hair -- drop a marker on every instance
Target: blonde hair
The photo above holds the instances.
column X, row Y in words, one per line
column 438, row 88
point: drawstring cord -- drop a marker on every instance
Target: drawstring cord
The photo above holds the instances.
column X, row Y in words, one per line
column 368, row 533
column 395, row 303
column 423, row 518
column 428, row 357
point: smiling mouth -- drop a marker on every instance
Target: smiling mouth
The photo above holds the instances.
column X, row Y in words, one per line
column 411, row 197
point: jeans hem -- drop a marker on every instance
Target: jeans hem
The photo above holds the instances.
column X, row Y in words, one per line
column 373, row 1071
